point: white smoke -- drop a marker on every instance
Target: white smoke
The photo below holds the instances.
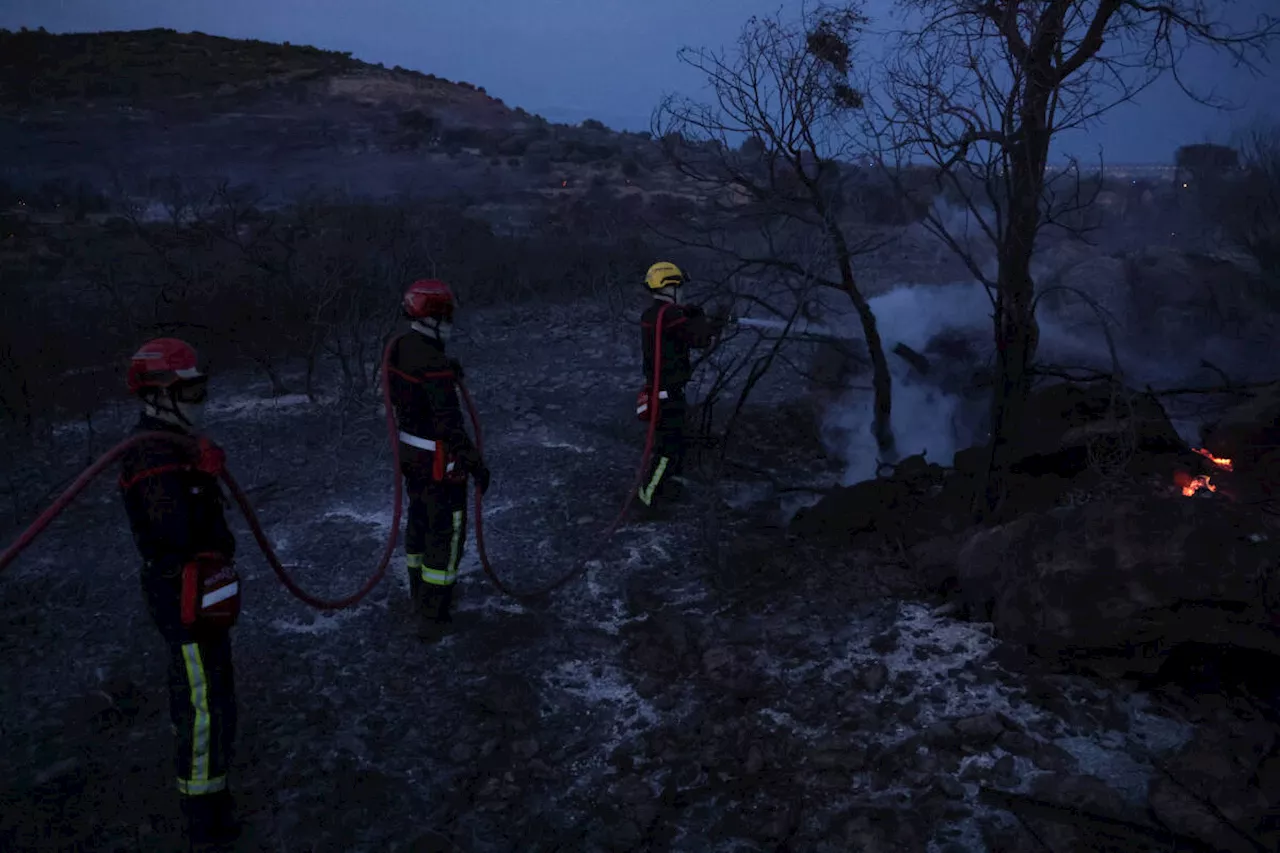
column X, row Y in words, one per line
column 925, row 418
column 937, row 415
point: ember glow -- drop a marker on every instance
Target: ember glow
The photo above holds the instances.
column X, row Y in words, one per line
column 1224, row 464
column 1190, row 485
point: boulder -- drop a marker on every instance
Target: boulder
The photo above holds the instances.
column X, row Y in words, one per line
column 1249, row 435
column 1221, row 788
column 1066, row 423
column 913, row 501
column 1119, row 584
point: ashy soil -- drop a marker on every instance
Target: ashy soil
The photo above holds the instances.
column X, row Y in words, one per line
column 702, row 687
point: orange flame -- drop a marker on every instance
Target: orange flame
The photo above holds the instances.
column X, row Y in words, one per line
column 1221, row 462
column 1190, row 485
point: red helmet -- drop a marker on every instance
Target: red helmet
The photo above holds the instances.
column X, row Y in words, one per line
column 429, row 297
column 163, row 363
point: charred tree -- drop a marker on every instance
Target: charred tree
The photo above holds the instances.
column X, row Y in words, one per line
column 786, row 91
column 981, row 90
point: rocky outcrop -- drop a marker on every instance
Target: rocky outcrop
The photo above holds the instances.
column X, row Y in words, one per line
column 1249, row 435
column 1118, row 585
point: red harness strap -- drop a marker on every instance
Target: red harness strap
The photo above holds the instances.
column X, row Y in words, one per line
column 416, row 380
column 154, row 472
column 439, row 466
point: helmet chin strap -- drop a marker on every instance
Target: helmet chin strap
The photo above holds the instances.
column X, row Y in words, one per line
column 171, row 413
column 436, row 329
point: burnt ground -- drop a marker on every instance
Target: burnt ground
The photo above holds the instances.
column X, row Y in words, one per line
column 753, row 696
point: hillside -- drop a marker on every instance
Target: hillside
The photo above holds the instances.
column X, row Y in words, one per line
column 127, row 108
column 153, row 67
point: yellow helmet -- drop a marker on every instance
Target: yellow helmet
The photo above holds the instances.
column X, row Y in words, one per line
column 663, row 274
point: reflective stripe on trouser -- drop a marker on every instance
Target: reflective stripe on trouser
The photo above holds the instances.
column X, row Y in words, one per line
column 435, row 532
column 668, row 450
column 449, row 574
column 202, row 708
column 655, row 479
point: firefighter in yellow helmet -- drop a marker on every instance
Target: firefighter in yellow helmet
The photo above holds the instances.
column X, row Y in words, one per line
column 676, row 328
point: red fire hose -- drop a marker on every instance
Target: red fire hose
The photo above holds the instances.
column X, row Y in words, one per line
column 246, row 509
column 73, row 491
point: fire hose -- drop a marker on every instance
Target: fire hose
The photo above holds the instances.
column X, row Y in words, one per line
column 242, row 501
column 605, row 535
column 264, row 544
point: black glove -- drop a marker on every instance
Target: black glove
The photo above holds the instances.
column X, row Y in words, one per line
column 481, row 477
column 456, row 367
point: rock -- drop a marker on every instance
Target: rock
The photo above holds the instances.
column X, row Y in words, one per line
column 1249, row 435
column 1066, row 419
column 1082, row 791
column 632, row 789
column 1055, row 759
column 622, row 835
column 755, row 760
column 852, row 759
column 715, row 659
column 934, row 559
column 942, row 734
column 1005, row 772
column 525, row 749
column 874, row 677
column 897, row 501
column 835, row 780
column 885, row 643
column 951, row 787
column 732, row 672
column 646, row 812
column 979, row 730
column 461, row 753
column 1229, row 770
column 1120, row 583
column 1017, row 743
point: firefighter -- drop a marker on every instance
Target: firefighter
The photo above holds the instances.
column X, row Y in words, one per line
column 175, row 510
column 436, row 454
column 684, row 328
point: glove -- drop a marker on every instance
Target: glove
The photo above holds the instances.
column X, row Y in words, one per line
column 482, row 478
column 720, row 312
column 212, row 459
column 456, row 367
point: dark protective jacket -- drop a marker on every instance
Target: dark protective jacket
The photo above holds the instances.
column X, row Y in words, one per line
column 684, row 328
column 175, row 512
column 424, row 393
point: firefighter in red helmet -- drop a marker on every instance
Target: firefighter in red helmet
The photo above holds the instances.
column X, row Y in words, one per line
column 175, row 510
column 436, row 454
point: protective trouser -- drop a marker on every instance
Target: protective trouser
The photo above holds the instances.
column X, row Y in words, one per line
column 435, row 534
column 667, row 460
column 202, row 705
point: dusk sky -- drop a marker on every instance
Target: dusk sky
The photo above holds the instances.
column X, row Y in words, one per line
column 611, row 60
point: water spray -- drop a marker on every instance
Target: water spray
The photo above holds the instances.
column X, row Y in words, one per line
column 798, row 331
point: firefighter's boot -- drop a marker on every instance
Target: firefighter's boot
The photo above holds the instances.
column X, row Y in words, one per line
column 433, row 611
column 211, row 820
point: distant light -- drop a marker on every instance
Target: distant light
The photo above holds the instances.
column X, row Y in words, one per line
column 1184, row 186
